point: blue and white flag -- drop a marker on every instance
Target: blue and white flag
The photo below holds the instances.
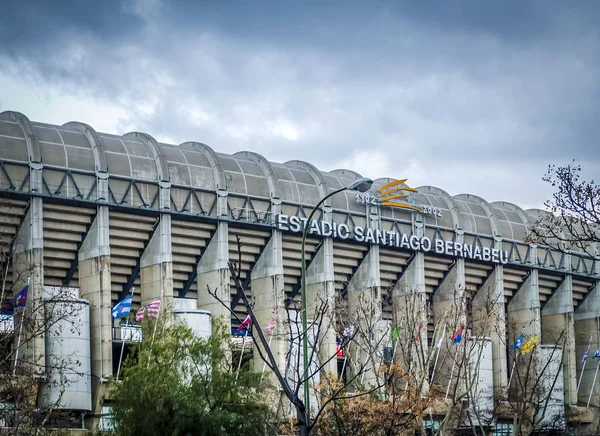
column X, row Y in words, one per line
column 596, row 354
column 122, row 308
column 518, row 342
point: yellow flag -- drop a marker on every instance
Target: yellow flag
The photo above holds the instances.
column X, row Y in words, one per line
column 530, row 344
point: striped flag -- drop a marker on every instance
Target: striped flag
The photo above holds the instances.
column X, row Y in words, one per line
column 122, row 308
column 150, row 311
column 245, row 323
column 271, row 326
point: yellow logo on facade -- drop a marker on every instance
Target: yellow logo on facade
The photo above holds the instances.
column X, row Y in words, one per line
column 390, row 193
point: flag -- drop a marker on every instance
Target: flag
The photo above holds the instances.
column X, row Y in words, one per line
column 348, row 331
column 271, row 326
column 457, row 336
column 153, row 308
column 396, row 332
column 139, row 315
column 20, row 299
column 530, row 344
column 122, row 308
column 518, row 342
column 339, row 350
column 439, row 344
column 597, row 354
column 245, row 323
column 585, row 355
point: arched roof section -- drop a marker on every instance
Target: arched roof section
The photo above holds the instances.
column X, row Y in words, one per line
column 512, row 220
column 310, row 184
column 438, row 198
column 395, row 213
column 347, row 174
column 267, row 169
column 94, row 141
column 201, row 155
column 477, row 215
column 244, row 176
column 159, row 160
column 33, row 147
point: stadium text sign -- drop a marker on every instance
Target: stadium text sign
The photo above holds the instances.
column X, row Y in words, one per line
column 387, row 238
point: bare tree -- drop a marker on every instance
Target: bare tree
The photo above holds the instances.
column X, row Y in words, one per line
column 573, row 220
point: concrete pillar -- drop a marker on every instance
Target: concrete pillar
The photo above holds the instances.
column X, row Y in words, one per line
column 587, row 319
column 524, row 310
column 213, row 271
column 95, row 286
column 410, row 303
column 489, row 320
column 448, row 297
column 557, row 318
column 268, row 293
column 156, row 265
column 28, row 265
column 320, row 288
column 364, row 305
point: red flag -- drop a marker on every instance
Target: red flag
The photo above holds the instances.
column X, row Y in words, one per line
column 245, row 323
column 271, row 326
column 420, row 329
column 139, row 315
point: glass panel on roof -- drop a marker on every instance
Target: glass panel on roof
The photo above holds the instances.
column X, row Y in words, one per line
column 519, row 232
column 446, row 219
column 249, row 167
column 229, row 164
column 47, row 135
column 53, row 155
column 333, row 182
column 172, row 154
column 257, row 186
column 499, row 213
column 81, row 158
column 202, row 178
column 282, row 173
column 477, row 209
column 144, row 169
column 118, row 164
column 14, row 149
column 513, row 216
column 180, row 175
column 505, row 229
column 468, row 222
column 287, row 191
column 302, row 176
column 112, row 144
column 308, row 194
column 75, row 138
column 339, row 202
column 11, row 129
column 138, row 149
column 196, row 158
column 483, row 225
column 235, row 182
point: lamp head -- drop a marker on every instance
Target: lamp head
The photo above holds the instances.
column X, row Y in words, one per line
column 362, row 184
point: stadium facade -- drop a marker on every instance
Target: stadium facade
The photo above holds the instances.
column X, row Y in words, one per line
column 102, row 213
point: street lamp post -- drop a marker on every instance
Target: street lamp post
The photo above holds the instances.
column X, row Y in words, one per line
column 362, row 184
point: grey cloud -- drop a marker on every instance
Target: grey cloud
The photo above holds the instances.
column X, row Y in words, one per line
column 437, row 87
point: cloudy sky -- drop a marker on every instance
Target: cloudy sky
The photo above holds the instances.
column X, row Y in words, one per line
column 470, row 96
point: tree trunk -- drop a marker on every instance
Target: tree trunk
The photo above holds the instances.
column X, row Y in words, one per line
column 302, row 424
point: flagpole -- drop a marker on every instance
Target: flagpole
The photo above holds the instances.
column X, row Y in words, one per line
column 122, row 339
column 345, row 358
column 583, row 367
column 450, row 380
column 237, row 373
column 155, row 325
column 438, row 354
column 21, row 330
column 512, row 371
column 593, row 384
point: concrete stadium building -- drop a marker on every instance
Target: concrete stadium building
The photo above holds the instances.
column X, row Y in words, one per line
column 104, row 213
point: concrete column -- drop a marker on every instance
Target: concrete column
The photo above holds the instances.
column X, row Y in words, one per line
column 95, row 286
column 268, row 293
column 320, row 287
column 448, row 296
column 489, row 320
column 558, row 317
column 364, row 304
column 28, row 265
column 524, row 309
column 156, row 265
column 586, row 322
column 213, row 272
